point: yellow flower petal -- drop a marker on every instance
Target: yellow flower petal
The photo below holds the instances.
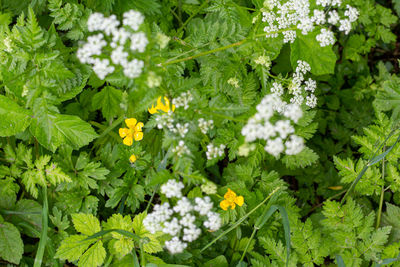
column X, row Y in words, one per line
column 173, row 107
column 239, row 200
column 131, row 122
column 152, row 110
column 123, row 132
column 138, row 127
column 230, row 195
column 132, row 158
column 224, row 204
column 138, row 136
column 128, row 140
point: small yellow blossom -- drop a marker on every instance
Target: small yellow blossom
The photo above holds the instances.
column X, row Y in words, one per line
column 132, row 158
column 230, row 200
column 134, row 131
column 161, row 106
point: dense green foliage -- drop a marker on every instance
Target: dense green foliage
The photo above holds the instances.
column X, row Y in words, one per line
column 70, row 192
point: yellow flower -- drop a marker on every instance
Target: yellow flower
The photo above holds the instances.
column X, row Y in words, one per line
column 230, row 200
column 132, row 158
column 134, row 131
column 161, row 106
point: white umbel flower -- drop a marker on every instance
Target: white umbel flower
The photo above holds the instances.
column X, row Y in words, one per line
column 181, row 149
column 284, row 128
column 351, row 13
column 183, row 100
column 133, row 69
column 102, row 68
column 294, row 145
column 325, row 38
column 345, row 26
column 274, row 146
column 333, row 17
column 138, row 42
column 172, row 228
column 133, row 19
column 214, row 151
column 172, row 188
column 175, row 245
column 213, row 222
column 187, row 220
column 183, row 206
column 203, row 205
column 205, row 126
column 191, row 234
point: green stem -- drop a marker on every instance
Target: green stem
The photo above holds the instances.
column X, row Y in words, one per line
column 240, row 220
column 142, row 258
column 378, row 219
column 217, row 49
column 43, row 237
column 248, row 243
column 203, row 53
column 192, row 16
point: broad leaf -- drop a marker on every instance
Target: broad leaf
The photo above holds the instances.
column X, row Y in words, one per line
column 14, row 119
column 86, row 224
column 11, row 245
column 322, row 60
column 108, row 99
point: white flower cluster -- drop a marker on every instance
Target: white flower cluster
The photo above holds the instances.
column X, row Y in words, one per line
column 205, row 126
column 183, row 100
column 181, row 129
column 183, row 221
column 165, row 119
column 280, row 136
column 215, row 151
column 181, row 149
column 296, row 14
column 118, row 38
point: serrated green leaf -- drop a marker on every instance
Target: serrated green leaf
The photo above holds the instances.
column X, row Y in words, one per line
column 14, row 119
column 94, row 256
column 11, row 245
column 108, row 100
column 73, row 247
column 154, row 245
column 86, row 224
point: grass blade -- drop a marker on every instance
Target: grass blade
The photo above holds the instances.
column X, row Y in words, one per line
column 339, row 261
column 136, row 238
column 240, row 220
column 43, row 237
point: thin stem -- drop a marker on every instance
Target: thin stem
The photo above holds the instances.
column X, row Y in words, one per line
column 152, row 197
column 240, row 220
column 378, row 219
column 203, row 53
column 248, row 243
column 43, row 237
column 142, row 258
column 219, row 48
column 193, row 15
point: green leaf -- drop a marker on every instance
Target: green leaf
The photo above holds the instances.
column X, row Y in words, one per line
column 52, row 129
column 94, row 256
column 154, row 245
column 14, row 119
column 322, row 60
column 72, row 247
column 392, row 218
column 305, row 158
column 219, row 261
column 86, row 224
column 108, row 99
column 11, row 245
